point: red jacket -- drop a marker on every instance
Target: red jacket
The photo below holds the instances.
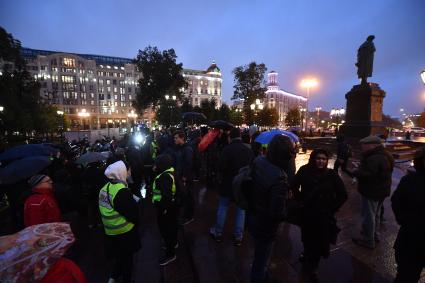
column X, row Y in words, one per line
column 41, row 207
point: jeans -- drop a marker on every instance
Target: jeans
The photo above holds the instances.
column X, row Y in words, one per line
column 263, row 251
column 370, row 219
column 221, row 218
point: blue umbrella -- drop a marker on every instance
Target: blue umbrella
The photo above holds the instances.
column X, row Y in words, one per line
column 26, row 150
column 91, row 157
column 23, row 168
column 266, row 137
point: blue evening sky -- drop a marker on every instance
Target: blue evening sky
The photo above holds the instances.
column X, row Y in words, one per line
column 297, row 38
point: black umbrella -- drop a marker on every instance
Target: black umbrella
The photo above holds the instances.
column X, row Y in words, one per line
column 220, row 124
column 194, row 117
column 26, row 150
column 23, row 168
column 91, row 157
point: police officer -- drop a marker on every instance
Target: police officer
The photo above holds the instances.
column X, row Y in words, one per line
column 165, row 198
column 119, row 213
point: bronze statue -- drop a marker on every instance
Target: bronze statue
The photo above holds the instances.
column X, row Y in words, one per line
column 365, row 59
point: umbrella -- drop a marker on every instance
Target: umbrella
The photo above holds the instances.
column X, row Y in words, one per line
column 23, row 168
column 266, row 137
column 220, row 124
column 27, row 150
column 91, row 157
column 193, row 116
column 29, row 254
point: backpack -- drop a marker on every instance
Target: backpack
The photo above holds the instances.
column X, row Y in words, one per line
column 242, row 186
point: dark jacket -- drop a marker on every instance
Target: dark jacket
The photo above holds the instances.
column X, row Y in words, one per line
column 268, row 195
column 374, row 174
column 320, row 192
column 408, row 203
column 126, row 243
column 232, row 158
column 183, row 160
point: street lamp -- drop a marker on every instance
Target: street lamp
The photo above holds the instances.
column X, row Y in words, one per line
column 132, row 115
column 318, row 115
column 307, row 84
column 423, row 76
column 1, row 109
column 167, row 97
column 60, row 113
column 338, row 113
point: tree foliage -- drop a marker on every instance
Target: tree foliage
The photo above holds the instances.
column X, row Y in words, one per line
column 293, row 118
column 236, row 117
column 169, row 113
column 249, row 85
column 24, row 111
column 268, row 117
column 161, row 76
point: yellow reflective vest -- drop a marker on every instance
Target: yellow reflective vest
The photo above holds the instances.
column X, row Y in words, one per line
column 113, row 222
column 156, row 193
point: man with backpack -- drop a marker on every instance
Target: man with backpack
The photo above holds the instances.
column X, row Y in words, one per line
column 233, row 157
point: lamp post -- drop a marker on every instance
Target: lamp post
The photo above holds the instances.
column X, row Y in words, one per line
column 258, row 105
column 307, row 84
column 338, row 113
column 133, row 116
column 318, row 115
column 173, row 98
column 60, row 113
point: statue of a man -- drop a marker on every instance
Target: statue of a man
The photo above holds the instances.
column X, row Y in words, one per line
column 365, row 59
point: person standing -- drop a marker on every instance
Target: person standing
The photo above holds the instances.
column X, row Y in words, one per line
column 321, row 193
column 342, row 155
column 183, row 160
column 408, row 204
column 119, row 212
column 232, row 158
column 164, row 194
column 374, row 185
column 267, row 206
column 41, row 206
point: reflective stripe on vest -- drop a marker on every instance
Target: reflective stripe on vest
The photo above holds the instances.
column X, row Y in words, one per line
column 156, row 194
column 154, row 149
column 113, row 222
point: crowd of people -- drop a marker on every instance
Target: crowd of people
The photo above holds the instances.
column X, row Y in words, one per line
column 164, row 167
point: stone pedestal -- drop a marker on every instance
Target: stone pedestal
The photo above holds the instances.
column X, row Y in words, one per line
column 363, row 116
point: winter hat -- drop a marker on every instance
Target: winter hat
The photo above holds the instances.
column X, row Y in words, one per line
column 35, row 180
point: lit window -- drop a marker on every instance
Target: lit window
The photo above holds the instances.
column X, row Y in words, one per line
column 69, row 62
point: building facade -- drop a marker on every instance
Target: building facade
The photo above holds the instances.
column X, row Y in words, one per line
column 203, row 85
column 282, row 100
column 96, row 92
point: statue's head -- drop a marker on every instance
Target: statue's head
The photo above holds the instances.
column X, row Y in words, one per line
column 370, row 37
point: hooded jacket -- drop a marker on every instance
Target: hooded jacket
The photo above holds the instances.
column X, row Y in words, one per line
column 41, row 207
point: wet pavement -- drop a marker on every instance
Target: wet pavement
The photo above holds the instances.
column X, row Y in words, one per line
column 200, row 259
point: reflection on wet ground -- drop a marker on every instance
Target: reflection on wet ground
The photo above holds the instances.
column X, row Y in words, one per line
column 200, row 259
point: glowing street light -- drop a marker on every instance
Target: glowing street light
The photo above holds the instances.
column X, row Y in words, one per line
column 307, row 84
column 83, row 114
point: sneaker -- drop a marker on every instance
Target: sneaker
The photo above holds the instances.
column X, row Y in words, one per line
column 187, row 221
column 175, row 246
column 168, row 259
column 363, row 243
column 237, row 242
column 216, row 238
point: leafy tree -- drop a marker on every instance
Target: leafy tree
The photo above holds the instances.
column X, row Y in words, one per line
column 236, row 117
column 208, row 108
column 24, row 111
column 420, row 121
column 223, row 112
column 249, row 86
column 169, row 113
column 161, row 76
column 268, row 117
column 293, row 118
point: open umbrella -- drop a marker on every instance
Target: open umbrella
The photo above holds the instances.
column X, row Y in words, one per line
column 23, row 168
column 26, row 150
column 193, row 117
column 220, row 124
column 266, row 137
column 28, row 255
column 91, row 157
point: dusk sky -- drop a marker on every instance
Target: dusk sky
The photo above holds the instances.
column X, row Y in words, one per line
column 297, row 38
